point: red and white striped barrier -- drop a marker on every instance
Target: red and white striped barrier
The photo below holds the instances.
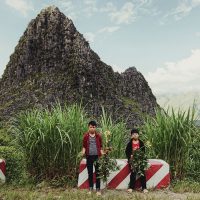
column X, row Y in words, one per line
column 157, row 175
column 2, row 171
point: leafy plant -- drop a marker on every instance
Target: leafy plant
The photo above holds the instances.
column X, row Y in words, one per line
column 15, row 165
column 138, row 162
column 106, row 164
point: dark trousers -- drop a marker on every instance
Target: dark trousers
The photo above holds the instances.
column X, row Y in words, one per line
column 133, row 180
column 90, row 161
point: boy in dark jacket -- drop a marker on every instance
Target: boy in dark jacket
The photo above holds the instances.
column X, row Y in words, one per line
column 92, row 149
column 134, row 144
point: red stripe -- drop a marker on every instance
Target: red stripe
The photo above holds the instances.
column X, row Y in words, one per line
column 164, row 182
column 119, row 177
column 3, row 167
column 153, row 169
column 85, row 185
column 155, row 166
column 82, row 167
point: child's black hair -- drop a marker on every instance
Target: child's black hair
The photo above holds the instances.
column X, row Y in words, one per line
column 135, row 130
column 93, row 123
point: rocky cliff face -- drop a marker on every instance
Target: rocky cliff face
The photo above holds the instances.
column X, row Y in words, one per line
column 53, row 61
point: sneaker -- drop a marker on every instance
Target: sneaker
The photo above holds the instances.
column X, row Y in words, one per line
column 98, row 193
column 90, row 191
column 145, row 191
column 130, row 190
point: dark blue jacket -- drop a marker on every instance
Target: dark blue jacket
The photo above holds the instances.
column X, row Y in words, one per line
column 129, row 149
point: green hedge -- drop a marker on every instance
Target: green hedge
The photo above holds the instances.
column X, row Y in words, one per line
column 15, row 164
column 5, row 138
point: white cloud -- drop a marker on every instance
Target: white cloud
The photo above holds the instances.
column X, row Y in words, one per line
column 130, row 11
column 180, row 76
column 109, row 29
column 142, row 3
column 109, row 7
column 90, row 7
column 89, row 36
column 183, row 9
column 125, row 15
column 22, row 6
column 197, row 34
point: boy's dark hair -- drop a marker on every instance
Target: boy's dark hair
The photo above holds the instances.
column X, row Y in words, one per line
column 134, row 130
column 93, row 123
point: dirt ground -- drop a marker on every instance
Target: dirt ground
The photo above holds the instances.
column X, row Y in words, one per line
column 73, row 194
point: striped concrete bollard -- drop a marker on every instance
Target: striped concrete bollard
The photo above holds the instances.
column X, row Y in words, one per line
column 157, row 175
column 2, row 171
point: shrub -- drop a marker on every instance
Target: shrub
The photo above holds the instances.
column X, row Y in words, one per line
column 193, row 170
column 51, row 140
column 171, row 138
column 5, row 138
column 15, row 164
column 118, row 132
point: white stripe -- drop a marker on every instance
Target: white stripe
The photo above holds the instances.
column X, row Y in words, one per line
column 2, row 177
column 83, row 176
column 121, row 164
column 124, row 183
column 158, row 176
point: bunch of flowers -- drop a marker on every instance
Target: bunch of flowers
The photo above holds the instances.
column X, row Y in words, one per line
column 106, row 164
column 139, row 162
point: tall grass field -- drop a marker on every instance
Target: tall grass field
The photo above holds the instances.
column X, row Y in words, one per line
column 51, row 141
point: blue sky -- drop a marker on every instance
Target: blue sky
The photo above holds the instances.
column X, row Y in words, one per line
column 161, row 38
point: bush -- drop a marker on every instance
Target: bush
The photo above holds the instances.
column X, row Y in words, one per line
column 186, row 185
column 5, row 140
column 5, row 137
column 15, row 164
column 171, row 138
column 51, row 140
column 118, row 133
column 193, row 169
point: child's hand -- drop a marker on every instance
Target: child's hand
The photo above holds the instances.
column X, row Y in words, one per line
column 83, row 152
column 80, row 155
column 102, row 152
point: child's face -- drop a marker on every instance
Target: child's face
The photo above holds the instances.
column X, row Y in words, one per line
column 91, row 128
column 135, row 136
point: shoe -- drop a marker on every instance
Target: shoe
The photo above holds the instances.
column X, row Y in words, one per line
column 89, row 192
column 145, row 191
column 130, row 190
column 98, row 193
